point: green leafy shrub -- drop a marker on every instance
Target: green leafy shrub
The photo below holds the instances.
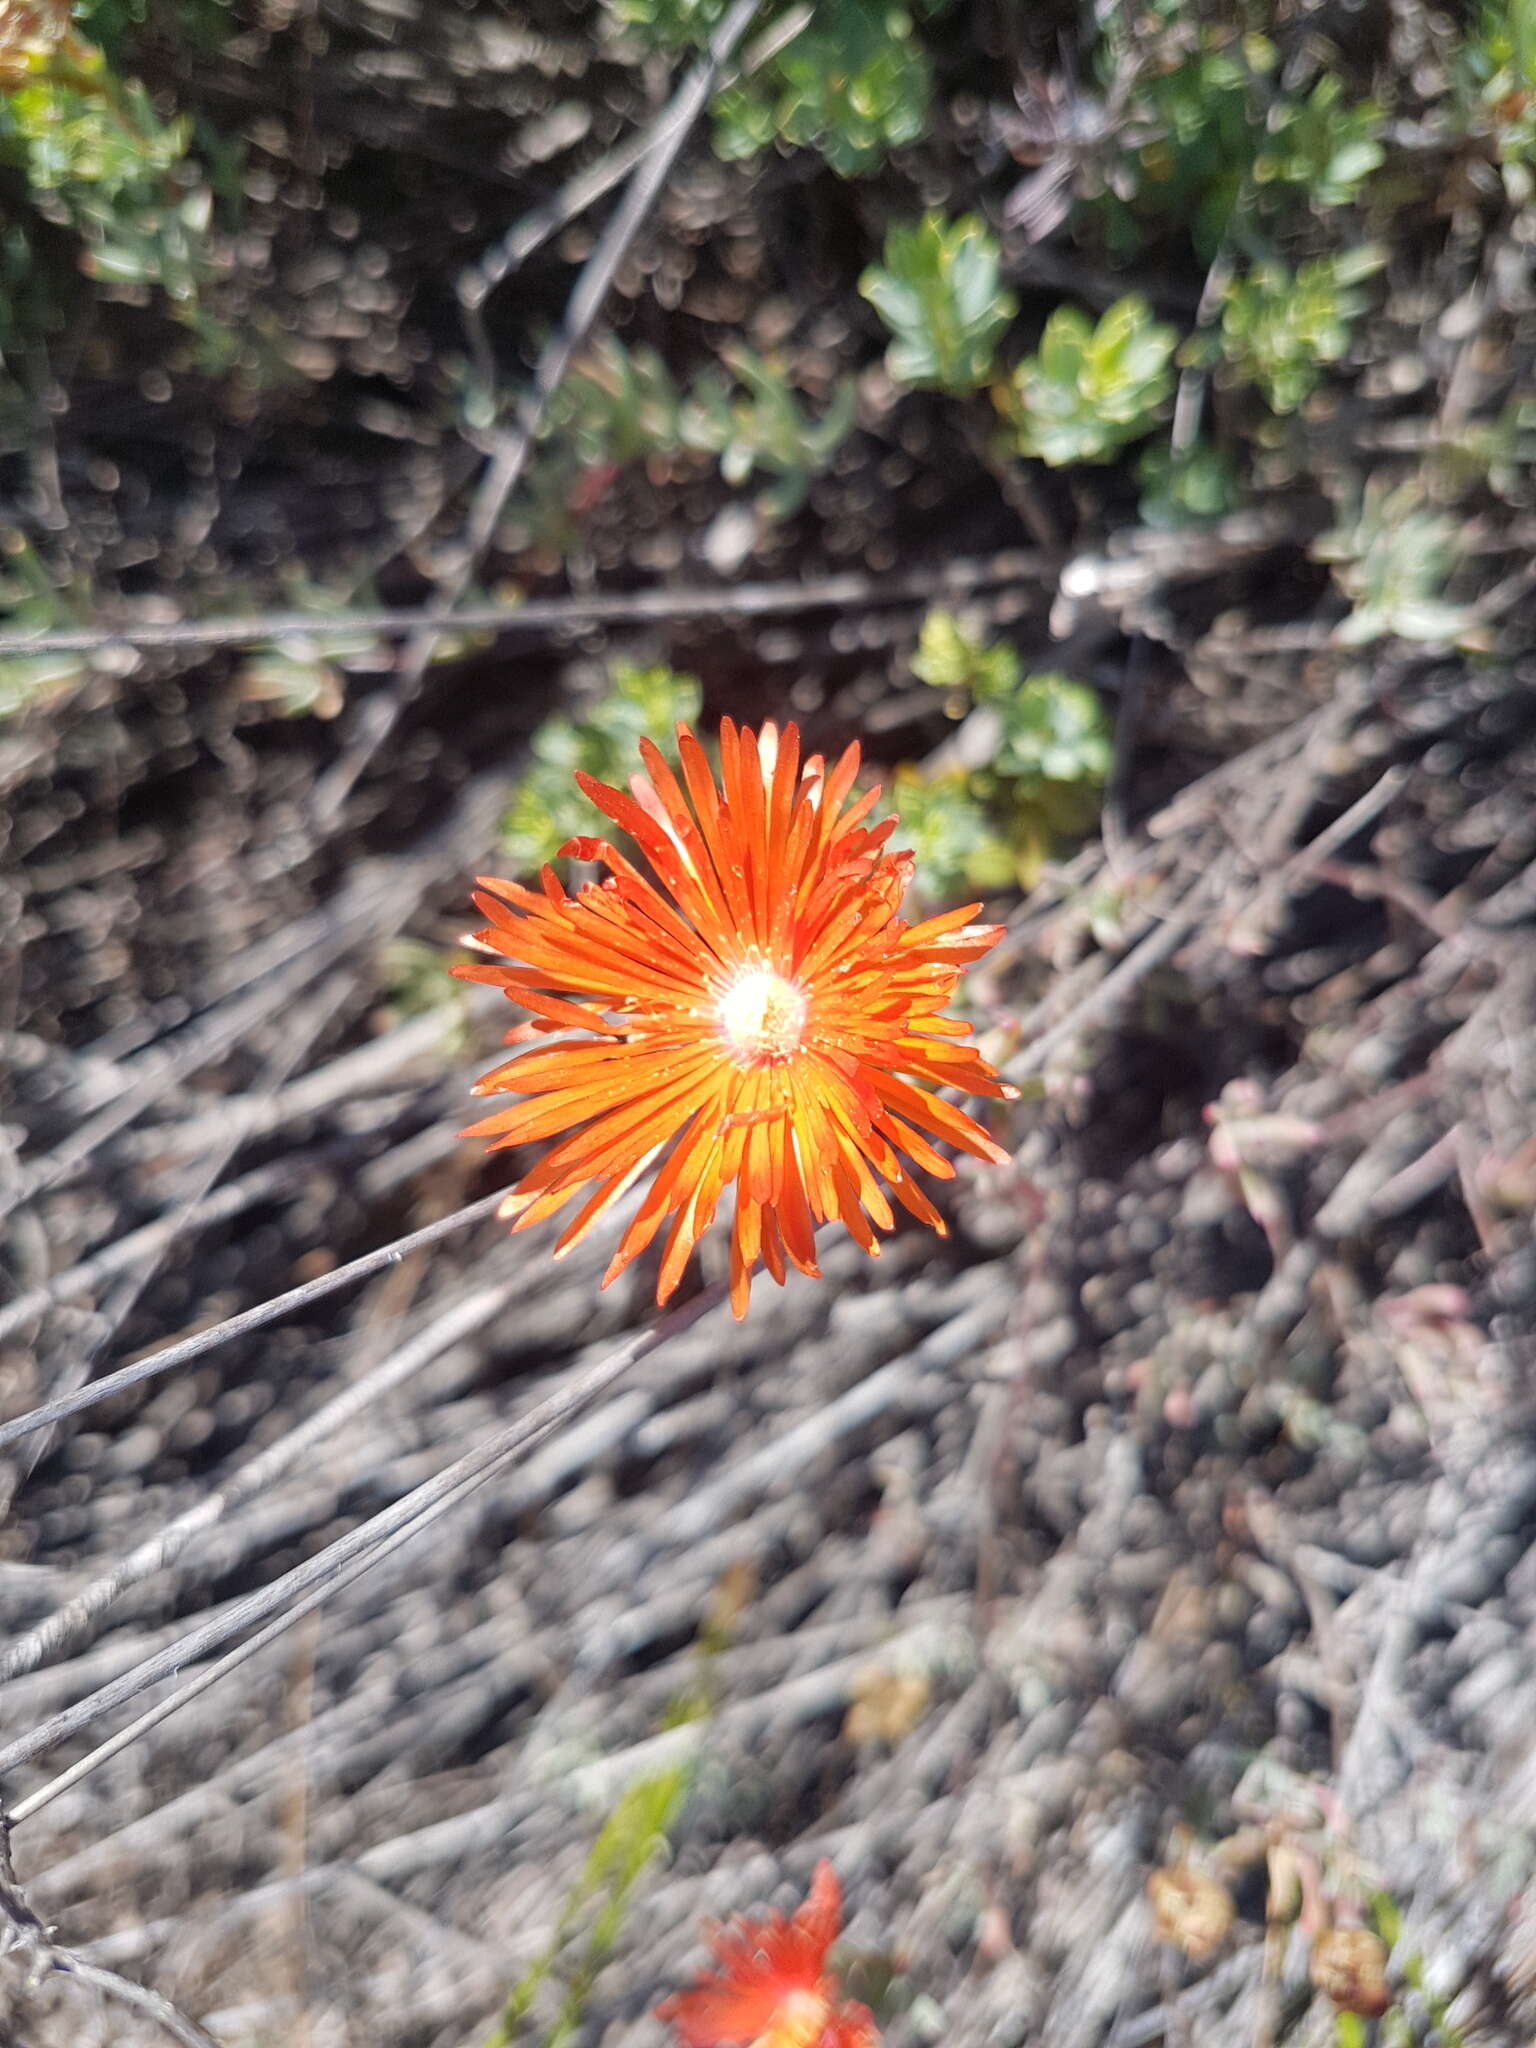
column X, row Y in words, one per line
column 1208, row 129
column 621, row 405
column 624, row 405
column 761, row 426
column 643, row 703
column 1187, row 488
column 1192, row 129
column 1496, row 81
column 1051, row 757
column 951, row 657
column 94, row 157
column 852, row 84
column 1090, row 389
column 952, row 832
column 1054, row 730
column 1393, row 561
column 939, row 289
column 1279, row 327
column 1050, row 768
column 1324, row 146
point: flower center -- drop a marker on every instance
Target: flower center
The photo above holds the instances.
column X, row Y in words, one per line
column 799, row 2021
column 762, row 1017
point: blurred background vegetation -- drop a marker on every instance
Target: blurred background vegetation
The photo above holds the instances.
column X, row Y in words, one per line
column 273, row 279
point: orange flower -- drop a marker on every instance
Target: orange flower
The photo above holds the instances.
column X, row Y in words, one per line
column 757, row 1013
column 773, row 1987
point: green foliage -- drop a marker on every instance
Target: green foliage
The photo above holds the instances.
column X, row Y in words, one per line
column 1193, row 128
column 1398, row 2029
column 1090, row 389
column 1279, row 327
column 99, row 161
column 852, row 84
column 304, row 674
column 64, row 137
column 96, row 158
column 1393, row 560
column 636, row 1833
column 1499, row 452
column 112, row 23
column 1054, row 730
column 1324, row 146
column 940, row 291
column 759, row 426
column 670, row 24
column 1496, row 76
column 1051, row 757
column 298, row 677
column 951, row 830
column 29, row 681
column 1210, row 130
column 1050, row 769
column 624, row 405
column 633, row 1836
column 951, row 657
column 1186, row 489
column 29, row 598
column 548, row 808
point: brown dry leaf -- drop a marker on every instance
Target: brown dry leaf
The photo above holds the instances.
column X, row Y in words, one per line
column 1193, row 1912
column 732, row 1594
column 1349, row 1965
column 887, row 1706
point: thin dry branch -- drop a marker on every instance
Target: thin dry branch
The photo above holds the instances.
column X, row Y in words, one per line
column 362, row 1546
column 547, row 617
column 471, row 1313
column 513, row 446
column 241, row 1325
column 23, row 1934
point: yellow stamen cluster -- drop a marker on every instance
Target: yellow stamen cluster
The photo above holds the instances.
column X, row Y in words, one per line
column 762, row 1017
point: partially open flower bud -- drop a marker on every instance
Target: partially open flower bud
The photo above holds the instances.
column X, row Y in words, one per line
column 1349, row 1964
column 1193, row 1911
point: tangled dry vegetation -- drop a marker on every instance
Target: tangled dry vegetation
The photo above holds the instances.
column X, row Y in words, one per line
column 1177, row 1514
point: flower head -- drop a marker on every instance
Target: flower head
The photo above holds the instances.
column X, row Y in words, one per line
column 759, row 1014
column 772, row 1986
